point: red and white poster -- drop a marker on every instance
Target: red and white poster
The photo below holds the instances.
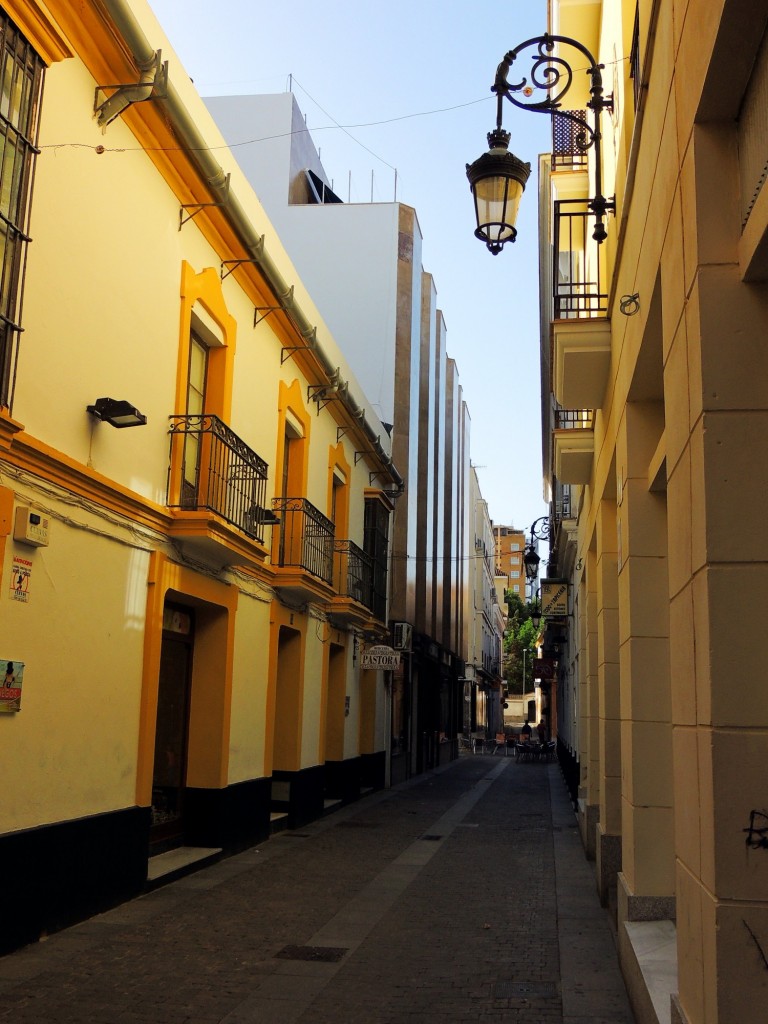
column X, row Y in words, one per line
column 10, row 685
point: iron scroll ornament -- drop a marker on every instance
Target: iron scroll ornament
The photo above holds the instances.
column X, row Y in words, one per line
column 553, row 75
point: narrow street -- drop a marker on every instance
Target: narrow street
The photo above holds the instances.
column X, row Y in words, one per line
column 462, row 896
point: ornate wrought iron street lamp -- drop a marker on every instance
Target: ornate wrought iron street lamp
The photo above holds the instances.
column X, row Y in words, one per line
column 497, row 178
column 539, row 531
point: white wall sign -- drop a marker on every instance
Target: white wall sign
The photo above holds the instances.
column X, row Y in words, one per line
column 380, row 657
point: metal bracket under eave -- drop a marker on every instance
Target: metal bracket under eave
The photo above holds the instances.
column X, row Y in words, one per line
column 340, row 432
column 265, row 311
column 233, row 265
column 319, row 393
column 290, row 350
column 197, row 207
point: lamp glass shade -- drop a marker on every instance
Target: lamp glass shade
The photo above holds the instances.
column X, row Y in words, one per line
column 497, row 180
column 497, row 200
column 531, row 562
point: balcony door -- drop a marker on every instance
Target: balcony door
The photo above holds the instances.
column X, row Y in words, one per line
column 197, row 378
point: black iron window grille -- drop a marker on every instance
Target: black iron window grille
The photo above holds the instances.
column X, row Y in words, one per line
column 569, row 141
column 376, row 544
column 223, row 476
column 574, row 419
column 21, row 86
column 306, row 538
column 576, row 273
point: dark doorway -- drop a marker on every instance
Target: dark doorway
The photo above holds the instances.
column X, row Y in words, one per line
column 172, row 730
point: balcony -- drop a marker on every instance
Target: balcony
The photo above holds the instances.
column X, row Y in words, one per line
column 302, row 551
column 574, row 445
column 360, row 585
column 217, row 489
column 581, row 333
column 567, row 154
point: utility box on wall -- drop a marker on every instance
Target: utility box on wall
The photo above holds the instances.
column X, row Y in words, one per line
column 30, row 527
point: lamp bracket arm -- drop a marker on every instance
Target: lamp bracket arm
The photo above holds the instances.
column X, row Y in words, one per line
column 551, row 74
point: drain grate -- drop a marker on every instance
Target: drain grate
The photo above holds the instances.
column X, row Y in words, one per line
column 524, row 990
column 317, row 954
column 429, row 838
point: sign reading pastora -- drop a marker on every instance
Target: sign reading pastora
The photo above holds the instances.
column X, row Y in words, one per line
column 381, row 657
column 554, row 598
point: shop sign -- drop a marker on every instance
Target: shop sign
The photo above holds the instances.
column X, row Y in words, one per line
column 380, row 657
column 554, row 598
column 544, row 668
column 10, row 686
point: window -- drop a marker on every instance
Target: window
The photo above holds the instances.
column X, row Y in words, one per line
column 634, row 60
column 516, row 588
column 21, row 83
column 515, row 574
column 196, row 380
column 375, row 545
column 514, row 547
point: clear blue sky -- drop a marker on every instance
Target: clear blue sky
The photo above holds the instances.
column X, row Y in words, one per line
column 410, row 84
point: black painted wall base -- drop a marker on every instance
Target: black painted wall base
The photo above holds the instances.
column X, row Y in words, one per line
column 342, row 779
column 569, row 766
column 300, row 794
column 66, row 872
column 233, row 818
column 373, row 770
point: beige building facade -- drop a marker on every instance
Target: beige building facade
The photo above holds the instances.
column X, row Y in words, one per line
column 655, row 402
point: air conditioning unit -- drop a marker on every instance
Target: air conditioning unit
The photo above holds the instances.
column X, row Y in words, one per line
column 402, row 634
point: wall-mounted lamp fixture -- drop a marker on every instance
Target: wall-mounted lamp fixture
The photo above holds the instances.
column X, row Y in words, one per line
column 497, row 178
column 531, row 557
column 117, row 412
column 264, row 516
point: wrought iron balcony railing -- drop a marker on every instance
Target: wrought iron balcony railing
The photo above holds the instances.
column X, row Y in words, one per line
column 212, row 468
column 569, row 141
column 562, row 501
column 574, row 419
column 305, row 538
column 356, row 577
column 576, row 272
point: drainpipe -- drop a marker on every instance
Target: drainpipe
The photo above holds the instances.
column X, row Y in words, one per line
column 128, row 94
column 196, row 147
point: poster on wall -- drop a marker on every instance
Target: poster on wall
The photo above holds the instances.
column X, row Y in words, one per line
column 22, row 570
column 10, row 688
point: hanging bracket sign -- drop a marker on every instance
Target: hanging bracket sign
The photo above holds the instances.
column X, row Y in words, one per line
column 554, row 598
column 381, row 657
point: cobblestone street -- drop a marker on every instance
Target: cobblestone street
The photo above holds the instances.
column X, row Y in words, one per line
column 462, row 896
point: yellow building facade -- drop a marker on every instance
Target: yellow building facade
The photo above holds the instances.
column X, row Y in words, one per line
column 194, row 493
column 509, row 545
column 655, row 355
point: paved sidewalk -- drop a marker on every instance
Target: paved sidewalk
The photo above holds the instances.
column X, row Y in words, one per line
column 462, row 896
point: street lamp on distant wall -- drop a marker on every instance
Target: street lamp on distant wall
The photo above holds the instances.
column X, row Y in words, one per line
column 498, row 178
column 531, row 559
